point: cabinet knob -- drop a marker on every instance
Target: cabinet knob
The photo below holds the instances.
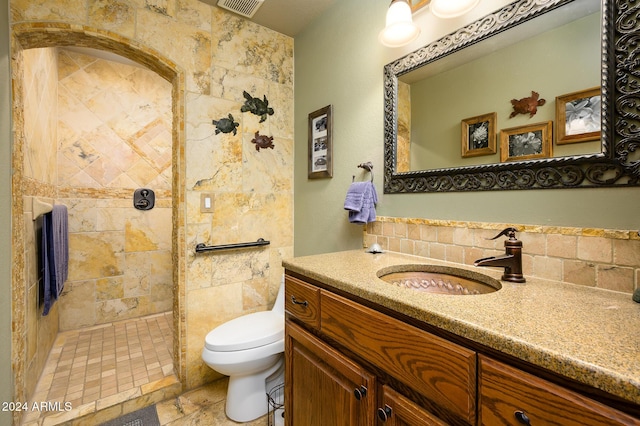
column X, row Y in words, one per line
column 522, row 418
column 360, row 393
column 384, row 413
column 297, row 302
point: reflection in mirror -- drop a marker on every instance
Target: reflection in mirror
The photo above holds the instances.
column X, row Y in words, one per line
column 432, row 104
column 519, row 93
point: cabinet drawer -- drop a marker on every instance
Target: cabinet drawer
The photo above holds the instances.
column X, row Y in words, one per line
column 507, row 394
column 302, row 301
column 402, row 411
column 443, row 372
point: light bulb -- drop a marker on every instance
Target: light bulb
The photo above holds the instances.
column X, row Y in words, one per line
column 399, row 29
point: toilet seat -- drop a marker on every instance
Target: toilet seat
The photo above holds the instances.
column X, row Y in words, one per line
column 246, row 332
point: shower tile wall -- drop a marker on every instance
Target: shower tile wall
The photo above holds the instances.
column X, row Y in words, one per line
column 39, row 168
column 114, row 132
column 215, row 56
column 96, row 130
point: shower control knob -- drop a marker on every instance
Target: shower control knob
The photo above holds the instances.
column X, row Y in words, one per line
column 142, row 203
column 144, row 199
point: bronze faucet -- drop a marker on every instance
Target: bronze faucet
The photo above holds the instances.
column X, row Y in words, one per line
column 511, row 260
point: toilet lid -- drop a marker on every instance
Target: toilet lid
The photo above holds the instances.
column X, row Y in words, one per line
column 246, row 332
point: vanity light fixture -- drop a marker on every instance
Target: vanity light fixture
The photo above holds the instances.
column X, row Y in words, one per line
column 451, row 8
column 399, row 29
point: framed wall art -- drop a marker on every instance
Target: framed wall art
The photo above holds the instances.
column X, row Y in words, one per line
column 526, row 142
column 320, row 143
column 479, row 135
column 578, row 116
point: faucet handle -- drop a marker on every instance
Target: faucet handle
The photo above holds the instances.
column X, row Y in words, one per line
column 509, row 232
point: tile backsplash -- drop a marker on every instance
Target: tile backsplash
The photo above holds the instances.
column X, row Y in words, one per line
column 603, row 258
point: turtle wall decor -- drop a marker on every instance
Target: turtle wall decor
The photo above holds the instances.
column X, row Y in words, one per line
column 528, row 105
column 262, row 141
column 226, row 125
column 257, row 106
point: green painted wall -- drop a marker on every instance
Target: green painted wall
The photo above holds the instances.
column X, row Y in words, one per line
column 6, row 377
column 339, row 61
column 331, row 67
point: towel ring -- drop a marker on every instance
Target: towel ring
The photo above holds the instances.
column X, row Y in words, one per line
column 368, row 166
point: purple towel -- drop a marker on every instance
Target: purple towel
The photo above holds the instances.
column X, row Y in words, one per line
column 362, row 210
column 46, row 252
column 55, row 254
column 60, row 245
column 354, row 200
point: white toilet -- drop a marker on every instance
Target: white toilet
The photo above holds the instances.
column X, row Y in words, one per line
column 249, row 349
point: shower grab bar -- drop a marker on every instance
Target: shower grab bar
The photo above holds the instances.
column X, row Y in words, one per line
column 201, row 247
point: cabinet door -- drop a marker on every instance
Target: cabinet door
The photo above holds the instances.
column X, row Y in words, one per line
column 443, row 372
column 397, row 410
column 322, row 386
column 509, row 396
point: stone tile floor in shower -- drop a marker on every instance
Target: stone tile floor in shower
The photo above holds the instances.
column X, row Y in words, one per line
column 102, row 366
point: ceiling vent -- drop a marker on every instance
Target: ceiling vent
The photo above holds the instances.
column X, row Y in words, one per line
column 242, row 7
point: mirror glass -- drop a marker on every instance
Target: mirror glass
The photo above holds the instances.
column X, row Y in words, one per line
column 533, row 95
column 553, row 55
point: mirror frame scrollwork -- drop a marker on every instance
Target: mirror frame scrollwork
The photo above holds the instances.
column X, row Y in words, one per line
column 620, row 111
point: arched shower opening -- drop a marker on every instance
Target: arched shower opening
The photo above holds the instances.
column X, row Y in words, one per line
column 33, row 36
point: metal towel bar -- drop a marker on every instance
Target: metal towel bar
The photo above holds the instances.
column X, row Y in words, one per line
column 368, row 166
column 201, row 247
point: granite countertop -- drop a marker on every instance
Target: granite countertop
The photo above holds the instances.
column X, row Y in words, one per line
column 584, row 333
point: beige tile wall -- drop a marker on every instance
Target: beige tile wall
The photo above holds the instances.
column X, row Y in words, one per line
column 211, row 56
column 99, row 129
column 114, row 127
column 40, row 108
column 608, row 259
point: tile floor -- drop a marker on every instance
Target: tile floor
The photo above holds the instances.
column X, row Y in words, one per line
column 201, row 406
column 102, row 366
column 110, row 369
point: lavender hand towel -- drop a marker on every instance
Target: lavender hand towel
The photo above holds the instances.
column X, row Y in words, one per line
column 355, row 196
column 368, row 211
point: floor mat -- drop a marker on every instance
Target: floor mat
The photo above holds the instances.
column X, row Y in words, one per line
column 145, row 417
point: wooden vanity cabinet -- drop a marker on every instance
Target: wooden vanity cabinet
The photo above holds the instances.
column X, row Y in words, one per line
column 509, row 396
column 441, row 371
column 397, row 410
column 302, row 300
column 325, row 387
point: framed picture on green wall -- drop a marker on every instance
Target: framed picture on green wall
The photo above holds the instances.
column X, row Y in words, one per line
column 320, row 143
column 479, row 135
column 526, row 142
column 578, row 116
